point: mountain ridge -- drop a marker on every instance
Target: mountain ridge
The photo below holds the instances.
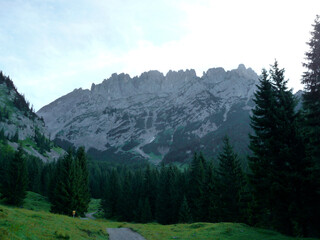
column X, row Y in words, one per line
column 143, row 116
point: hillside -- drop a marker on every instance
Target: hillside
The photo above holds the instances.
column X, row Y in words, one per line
column 156, row 117
column 20, row 124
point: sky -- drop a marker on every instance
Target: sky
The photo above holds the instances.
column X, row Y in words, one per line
column 50, row 47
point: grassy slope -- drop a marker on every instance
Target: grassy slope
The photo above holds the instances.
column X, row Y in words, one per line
column 18, row 223
column 26, row 224
column 36, row 202
column 203, row 231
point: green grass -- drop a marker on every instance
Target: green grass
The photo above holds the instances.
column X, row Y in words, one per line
column 28, row 143
column 17, row 223
column 26, row 224
column 154, row 158
column 58, row 150
column 204, row 231
column 95, row 206
column 36, row 202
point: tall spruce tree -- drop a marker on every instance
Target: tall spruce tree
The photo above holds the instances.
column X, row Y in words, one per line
column 15, row 183
column 83, row 181
column 210, row 196
column 110, row 201
column 262, row 122
column 311, row 112
column 64, row 199
column 184, row 211
column 311, row 95
column 289, row 167
column 196, row 187
column 146, row 215
column 230, row 184
column 278, row 166
column 126, row 198
column 167, row 212
column 150, row 188
column 34, row 168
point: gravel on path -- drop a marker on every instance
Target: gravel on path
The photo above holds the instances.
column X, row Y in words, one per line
column 123, row 234
column 88, row 216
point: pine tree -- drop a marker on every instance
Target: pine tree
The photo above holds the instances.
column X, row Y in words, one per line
column 210, row 194
column 311, row 112
column 137, row 194
column 196, row 187
column 278, row 163
column 289, row 167
column 110, row 201
column 14, row 187
column 146, row 215
column 84, row 194
column 262, row 122
column 184, row 212
column 34, row 167
column 64, row 198
column 150, row 188
column 125, row 199
column 230, row 184
column 167, row 212
column 311, row 96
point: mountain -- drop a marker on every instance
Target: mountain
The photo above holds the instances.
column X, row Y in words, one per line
column 19, row 124
column 155, row 116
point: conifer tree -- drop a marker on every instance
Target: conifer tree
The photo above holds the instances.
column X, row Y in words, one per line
column 14, row 186
column 196, row 187
column 167, row 212
column 311, row 112
column 311, row 96
column 184, row 211
column 288, row 160
column 110, row 201
column 84, row 194
column 262, row 122
column 64, row 198
column 34, row 167
column 278, row 165
column 137, row 194
column 145, row 211
column 230, row 184
column 150, row 188
column 125, row 200
column 210, row 196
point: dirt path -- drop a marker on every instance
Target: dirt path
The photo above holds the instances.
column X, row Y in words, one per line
column 88, row 216
column 123, row 234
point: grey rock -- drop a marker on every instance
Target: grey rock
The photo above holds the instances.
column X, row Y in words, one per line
column 155, row 116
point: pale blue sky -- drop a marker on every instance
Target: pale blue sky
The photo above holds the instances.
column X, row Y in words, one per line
column 50, row 47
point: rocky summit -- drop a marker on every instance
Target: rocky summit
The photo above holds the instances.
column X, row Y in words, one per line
column 156, row 117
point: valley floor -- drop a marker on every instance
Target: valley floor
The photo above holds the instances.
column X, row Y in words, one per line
column 18, row 223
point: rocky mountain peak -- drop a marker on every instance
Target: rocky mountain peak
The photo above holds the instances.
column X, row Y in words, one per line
column 146, row 114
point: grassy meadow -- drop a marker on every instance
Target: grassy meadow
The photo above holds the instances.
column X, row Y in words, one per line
column 38, row 223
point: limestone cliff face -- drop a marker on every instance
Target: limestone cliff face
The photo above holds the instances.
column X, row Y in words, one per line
column 155, row 116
